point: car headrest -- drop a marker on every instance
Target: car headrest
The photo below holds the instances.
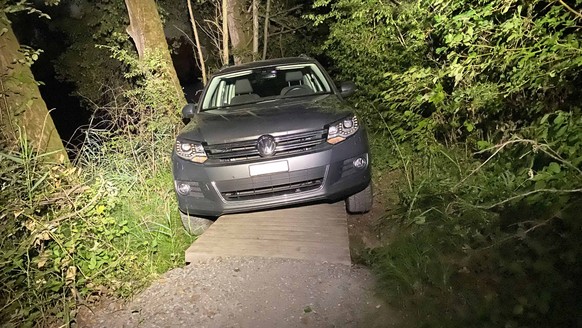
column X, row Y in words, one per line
column 293, row 76
column 243, row 86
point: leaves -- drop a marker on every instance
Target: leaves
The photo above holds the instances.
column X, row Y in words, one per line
column 486, row 67
column 480, row 104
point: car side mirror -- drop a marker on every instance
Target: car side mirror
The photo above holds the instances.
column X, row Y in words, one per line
column 347, row 88
column 188, row 113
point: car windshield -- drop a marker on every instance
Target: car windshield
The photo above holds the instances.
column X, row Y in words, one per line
column 265, row 84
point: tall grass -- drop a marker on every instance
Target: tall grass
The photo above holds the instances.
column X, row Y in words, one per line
column 105, row 227
column 484, row 239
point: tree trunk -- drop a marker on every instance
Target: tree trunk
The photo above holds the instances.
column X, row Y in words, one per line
column 240, row 30
column 225, row 54
column 266, row 31
column 21, row 103
column 255, row 29
column 146, row 30
column 197, row 39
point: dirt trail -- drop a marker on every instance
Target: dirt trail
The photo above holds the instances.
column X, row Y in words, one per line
column 253, row 292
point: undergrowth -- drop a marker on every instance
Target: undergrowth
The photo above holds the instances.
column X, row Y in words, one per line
column 487, row 238
column 477, row 104
column 105, row 227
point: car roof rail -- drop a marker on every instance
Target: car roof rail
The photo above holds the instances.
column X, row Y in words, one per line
column 305, row 56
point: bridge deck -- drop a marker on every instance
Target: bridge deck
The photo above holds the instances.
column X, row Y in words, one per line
column 316, row 232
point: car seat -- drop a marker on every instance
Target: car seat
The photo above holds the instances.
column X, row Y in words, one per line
column 295, row 86
column 243, row 92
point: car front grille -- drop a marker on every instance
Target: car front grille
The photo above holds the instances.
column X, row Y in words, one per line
column 247, row 150
column 273, row 191
column 271, row 185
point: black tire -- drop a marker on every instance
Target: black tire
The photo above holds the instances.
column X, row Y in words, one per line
column 360, row 202
column 195, row 225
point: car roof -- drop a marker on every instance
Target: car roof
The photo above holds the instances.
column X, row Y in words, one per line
column 264, row 63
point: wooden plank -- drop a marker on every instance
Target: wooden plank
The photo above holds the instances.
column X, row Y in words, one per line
column 278, row 221
column 267, row 248
column 331, row 210
column 247, row 228
column 316, row 232
column 261, row 244
column 274, row 225
column 310, row 256
column 289, row 236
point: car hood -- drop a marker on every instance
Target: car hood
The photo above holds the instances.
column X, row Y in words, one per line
column 281, row 116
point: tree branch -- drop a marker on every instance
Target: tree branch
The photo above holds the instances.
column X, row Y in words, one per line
column 266, row 30
column 570, row 9
column 198, row 46
column 554, row 191
column 284, row 31
column 286, row 10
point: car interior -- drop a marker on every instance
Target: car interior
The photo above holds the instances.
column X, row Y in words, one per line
column 265, row 84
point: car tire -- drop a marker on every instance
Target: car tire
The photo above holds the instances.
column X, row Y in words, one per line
column 360, row 202
column 195, row 225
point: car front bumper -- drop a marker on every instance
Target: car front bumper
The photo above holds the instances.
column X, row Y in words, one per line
column 326, row 175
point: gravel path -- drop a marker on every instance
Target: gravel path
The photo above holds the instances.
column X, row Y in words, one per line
column 253, row 292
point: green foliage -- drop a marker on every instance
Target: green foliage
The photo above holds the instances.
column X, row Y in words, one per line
column 100, row 59
column 92, row 34
column 97, row 56
column 85, row 62
column 18, row 6
column 479, row 102
column 29, row 55
column 487, row 242
column 291, row 33
column 457, row 69
column 150, row 77
column 72, row 235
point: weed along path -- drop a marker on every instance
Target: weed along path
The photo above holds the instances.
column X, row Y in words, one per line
column 282, row 268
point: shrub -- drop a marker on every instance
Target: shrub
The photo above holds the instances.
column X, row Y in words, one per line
column 105, row 227
column 479, row 103
column 457, row 69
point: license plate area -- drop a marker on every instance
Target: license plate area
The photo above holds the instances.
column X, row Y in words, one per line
column 268, row 168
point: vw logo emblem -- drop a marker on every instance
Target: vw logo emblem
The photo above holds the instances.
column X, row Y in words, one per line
column 266, row 145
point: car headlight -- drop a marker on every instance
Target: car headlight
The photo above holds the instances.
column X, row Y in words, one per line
column 191, row 151
column 340, row 130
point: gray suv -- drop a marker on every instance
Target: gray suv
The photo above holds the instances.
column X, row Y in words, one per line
column 269, row 134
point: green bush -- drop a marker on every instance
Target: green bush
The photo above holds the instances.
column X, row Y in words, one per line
column 456, row 69
column 105, row 227
column 483, row 242
column 479, row 103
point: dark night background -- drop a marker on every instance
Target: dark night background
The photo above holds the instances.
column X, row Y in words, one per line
column 70, row 114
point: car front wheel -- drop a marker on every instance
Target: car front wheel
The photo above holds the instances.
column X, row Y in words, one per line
column 195, row 225
column 360, row 202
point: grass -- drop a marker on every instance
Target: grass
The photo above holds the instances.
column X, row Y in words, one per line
column 155, row 224
column 470, row 245
column 70, row 235
column 154, row 240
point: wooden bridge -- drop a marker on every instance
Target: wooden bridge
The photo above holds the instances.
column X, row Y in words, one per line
column 316, row 232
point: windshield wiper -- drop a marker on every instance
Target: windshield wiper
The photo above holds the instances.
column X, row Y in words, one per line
column 233, row 105
column 306, row 95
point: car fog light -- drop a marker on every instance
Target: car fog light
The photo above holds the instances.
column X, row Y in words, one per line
column 360, row 163
column 183, row 188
